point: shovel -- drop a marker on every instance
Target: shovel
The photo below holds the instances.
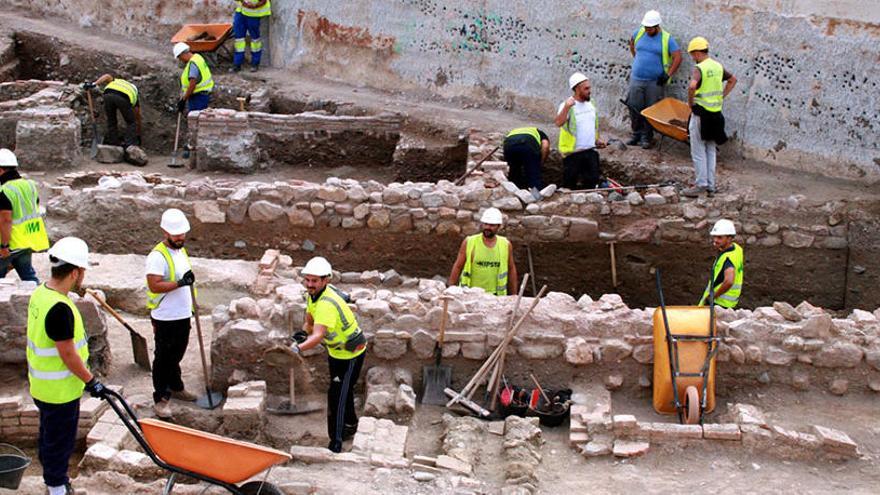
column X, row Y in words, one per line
column 174, row 163
column 284, row 356
column 436, row 378
column 211, row 399
column 138, row 342
column 94, row 150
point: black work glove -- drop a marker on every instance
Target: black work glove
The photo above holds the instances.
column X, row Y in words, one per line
column 662, row 79
column 188, row 278
column 299, row 336
column 96, row 388
column 88, row 85
column 181, row 106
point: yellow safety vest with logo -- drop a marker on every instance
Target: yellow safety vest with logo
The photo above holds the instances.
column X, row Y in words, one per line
column 530, row 131
column 344, row 340
column 153, row 299
column 207, row 82
column 124, row 87
column 568, row 132
column 257, row 12
column 664, row 42
column 28, row 229
column 730, row 298
column 710, row 94
column 50, row 379
column 493, row 278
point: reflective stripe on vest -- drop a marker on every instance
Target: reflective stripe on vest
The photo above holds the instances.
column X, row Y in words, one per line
column 730, row 298
column 207, row 82
column 50, row 379
column 153, row 299
column 568, row 132
column 28, row 229
column 664, row 42
column 345, row 340
column 257, row 12
column 710, row 94
column 530, row 131
column 467, row 273
column 124, row 87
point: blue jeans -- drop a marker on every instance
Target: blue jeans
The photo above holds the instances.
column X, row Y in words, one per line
column 58, row 424
column 21, row 261
column 242, row 26
column 198, row 101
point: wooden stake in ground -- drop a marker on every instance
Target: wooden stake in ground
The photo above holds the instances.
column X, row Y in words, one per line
column 613, row 264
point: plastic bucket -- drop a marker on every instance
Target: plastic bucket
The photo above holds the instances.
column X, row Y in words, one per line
column 13, row 463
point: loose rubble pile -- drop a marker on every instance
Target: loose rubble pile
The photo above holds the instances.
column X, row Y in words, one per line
column 390, row 394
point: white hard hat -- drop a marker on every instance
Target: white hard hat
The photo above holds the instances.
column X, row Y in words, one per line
column 492, row 216
column 576, row 79
column 71, row 250
column 7, row 158
column 318, row 266
column 723, row 227
column 651, row 19
column 179, row 48
column 174, row 222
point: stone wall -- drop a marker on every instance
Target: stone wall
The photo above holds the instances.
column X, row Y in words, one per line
column 36, row 120
column 804, row 347
column 799, row 103
column 356, row 221
column 249, row 141
column 14, row 299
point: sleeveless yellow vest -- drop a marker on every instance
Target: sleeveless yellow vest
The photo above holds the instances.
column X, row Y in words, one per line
column 730, row 298
column 344, row 340
column 491, row 279
column 207, row 82
column 28, row 229
column 124, row 87
column 710, row 94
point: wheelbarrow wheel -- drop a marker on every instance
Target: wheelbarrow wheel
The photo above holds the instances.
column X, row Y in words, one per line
column 692, row 406
column 259, row 488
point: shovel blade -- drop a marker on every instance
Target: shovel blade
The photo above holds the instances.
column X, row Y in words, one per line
column 434, row 380
column 211, row 400
column 139, row 349
column 285, row 408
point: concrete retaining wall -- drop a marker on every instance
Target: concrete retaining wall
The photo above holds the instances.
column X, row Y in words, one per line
column 801, row 102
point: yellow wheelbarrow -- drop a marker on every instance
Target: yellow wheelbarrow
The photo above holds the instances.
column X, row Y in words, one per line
column 209, row 458
column 685, row 346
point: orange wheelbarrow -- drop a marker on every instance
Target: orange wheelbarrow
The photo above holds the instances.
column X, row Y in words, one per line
column 685, row 346
column 210, row 458
column 205, row 38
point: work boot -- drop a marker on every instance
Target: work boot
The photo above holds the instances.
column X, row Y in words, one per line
column 693, row 192
column 255, row 68
column 163, row 409
column 348, row 431
column 184, row 395
column 646, row 144
column 634, row 141
column 235, row 68
column 335, row 447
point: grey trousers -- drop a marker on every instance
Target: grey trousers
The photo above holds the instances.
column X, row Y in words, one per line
column 643, row 94
column 703, row 155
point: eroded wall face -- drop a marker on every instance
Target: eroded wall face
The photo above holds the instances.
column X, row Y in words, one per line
column 804, row 99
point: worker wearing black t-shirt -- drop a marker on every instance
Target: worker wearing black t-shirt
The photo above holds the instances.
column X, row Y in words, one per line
column 525, row 150
column 57, row 358
column 122, row 96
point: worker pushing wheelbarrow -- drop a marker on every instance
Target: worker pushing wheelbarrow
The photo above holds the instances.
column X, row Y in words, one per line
column 209, row 458
column 685, row 346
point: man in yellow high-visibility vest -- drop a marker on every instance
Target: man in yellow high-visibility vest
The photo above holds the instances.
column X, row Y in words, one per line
column 22, row 230
column 196, row 81
column 330, row 321
column 727, row 273
column 525, row 150
column 122, row 96
column 656, row 57
column 706, row 126
column 485, row 260
column 246, row 21
column 578, row 123
column 57, row 357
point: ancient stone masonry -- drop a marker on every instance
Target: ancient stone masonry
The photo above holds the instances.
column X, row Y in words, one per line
column 804, row 347
column 14, row 298
column 248, row 141
column 37, row 117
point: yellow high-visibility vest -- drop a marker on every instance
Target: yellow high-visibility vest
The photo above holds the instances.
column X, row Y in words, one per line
column 124, row 87
column 344, row 339
column 50, row 379
column 258, row 12
column 28, row 228
column 492, row 279
column 710, row 94
column 568, row 132
column 530, row 131
column 207, row 82
column 730, row 298
column 153, row 299
column 664, row 42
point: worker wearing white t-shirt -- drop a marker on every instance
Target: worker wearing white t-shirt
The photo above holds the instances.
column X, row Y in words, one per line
column 169, row 275
column 578, row 124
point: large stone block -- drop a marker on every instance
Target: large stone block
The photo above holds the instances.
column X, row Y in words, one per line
column 47, row 138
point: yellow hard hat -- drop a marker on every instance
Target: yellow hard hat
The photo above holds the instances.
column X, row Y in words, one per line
column 698, row 43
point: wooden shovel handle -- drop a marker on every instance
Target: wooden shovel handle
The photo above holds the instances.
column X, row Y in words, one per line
column 108, row 309
column 443, row 323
